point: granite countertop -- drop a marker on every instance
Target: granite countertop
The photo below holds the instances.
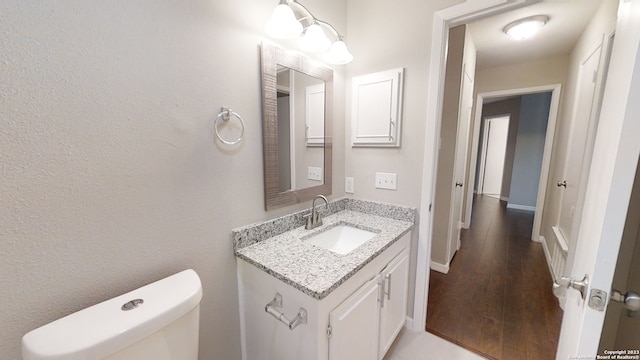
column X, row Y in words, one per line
column 312, row 269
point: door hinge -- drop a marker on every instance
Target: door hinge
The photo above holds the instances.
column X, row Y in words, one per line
column 329, row 331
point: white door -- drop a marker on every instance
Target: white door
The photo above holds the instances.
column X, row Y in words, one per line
column 611, row 176
column 495, row 147
column 393, row 303
column 580, row 146
column 621, row 329
column 460, row 162
column 354, row 325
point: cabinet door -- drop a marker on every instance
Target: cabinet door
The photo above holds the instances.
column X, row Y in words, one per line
column 354, row 325
column 376, row 109
column 395, row 278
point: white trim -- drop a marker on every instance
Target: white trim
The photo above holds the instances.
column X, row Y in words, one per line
column 560, row 239
column 504, row 198
column 442, row 20
column 408, row 322
column 440, row 267
column 521, row 207
column 483, row 161
column 547, row 255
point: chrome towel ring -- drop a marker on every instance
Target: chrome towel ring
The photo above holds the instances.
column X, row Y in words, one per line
column 224, row 115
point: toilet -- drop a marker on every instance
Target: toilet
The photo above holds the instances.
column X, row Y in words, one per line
column 158, row 321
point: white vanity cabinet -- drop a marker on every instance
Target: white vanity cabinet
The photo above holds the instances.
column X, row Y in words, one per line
column 393, row 307
column 359, row 319
column 376, row 313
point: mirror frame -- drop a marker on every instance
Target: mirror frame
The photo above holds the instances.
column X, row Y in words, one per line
column 271, row 57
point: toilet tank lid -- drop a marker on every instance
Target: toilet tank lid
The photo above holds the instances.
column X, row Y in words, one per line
column 105, row 328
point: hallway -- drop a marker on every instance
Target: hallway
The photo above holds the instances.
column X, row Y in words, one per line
column 496, row 299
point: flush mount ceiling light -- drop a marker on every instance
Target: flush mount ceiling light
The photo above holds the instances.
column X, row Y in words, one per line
column 290, row 19
column 525, row 28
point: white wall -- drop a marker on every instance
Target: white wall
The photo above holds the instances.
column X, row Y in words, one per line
column 552, row 70
column 527, row 163
column 603, row 22
column 381, row 37
column 385, row 36
column 111, row 177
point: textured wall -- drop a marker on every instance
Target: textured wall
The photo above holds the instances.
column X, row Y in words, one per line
column 111, row 177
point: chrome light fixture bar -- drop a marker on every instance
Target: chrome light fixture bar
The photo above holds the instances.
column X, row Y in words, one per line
column 291, row 19
column 525, row 28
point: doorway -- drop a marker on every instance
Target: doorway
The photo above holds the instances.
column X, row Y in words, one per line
column 494, row 149
column 612, row 169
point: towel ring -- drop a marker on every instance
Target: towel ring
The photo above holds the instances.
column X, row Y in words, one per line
column 225, row 115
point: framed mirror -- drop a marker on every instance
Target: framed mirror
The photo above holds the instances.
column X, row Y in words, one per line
column 297, row 110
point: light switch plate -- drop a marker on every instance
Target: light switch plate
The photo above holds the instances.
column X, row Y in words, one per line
column 348, row 185
column 314, row 173
column 386, row 181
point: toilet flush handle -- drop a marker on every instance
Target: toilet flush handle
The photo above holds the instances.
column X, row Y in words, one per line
column 130, row 305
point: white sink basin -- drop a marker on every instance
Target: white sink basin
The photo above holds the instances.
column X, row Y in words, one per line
column 341, row 239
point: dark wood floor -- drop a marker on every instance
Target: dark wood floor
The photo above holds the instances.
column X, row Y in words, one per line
column 496, row 299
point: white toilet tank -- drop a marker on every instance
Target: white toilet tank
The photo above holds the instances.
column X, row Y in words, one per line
column 159, row 321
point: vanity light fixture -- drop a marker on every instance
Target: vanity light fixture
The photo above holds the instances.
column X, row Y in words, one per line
column 291, row 19
column 525, row 28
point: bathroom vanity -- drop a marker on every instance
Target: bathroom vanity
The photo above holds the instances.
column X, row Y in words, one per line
column 315, row 294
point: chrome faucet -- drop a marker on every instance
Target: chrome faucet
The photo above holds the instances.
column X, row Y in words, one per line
column 314, row 219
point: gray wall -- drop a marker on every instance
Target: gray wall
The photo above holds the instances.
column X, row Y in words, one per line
column 111, row 177
column 527, row 160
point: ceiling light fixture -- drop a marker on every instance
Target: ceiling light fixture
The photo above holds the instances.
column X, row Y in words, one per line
column 525, row 28
column 291, row 19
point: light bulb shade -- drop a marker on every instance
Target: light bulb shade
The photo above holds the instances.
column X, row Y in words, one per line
column 525, row 28
column 315, row 40
column 339, row 54
column 283, row 23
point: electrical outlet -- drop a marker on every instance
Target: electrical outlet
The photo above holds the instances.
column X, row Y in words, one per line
column 348, row 185
column 386, row 181
column 314, row 173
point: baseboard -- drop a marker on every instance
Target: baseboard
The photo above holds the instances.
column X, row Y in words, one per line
column 439, row 267
column 408, row 323
column 547, row 256
column 504, row 198
column 521, row 207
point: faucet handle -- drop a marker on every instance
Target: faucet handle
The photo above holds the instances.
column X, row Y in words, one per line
column 309, row 220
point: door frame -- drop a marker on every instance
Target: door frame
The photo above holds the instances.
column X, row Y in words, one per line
column 554, row 108
column 442, row 21
column 483, row 162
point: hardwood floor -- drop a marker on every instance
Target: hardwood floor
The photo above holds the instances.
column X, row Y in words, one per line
column 496, row 299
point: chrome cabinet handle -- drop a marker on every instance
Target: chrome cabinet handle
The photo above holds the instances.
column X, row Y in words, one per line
column 276, row 303
column 458, row 183
column 562, row 183
column 388, row 293
column 381, row 292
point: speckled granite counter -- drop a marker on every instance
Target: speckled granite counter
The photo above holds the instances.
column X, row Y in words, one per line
column 277, row 246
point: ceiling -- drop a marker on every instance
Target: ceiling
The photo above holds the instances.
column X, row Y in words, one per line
column 567, row 21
